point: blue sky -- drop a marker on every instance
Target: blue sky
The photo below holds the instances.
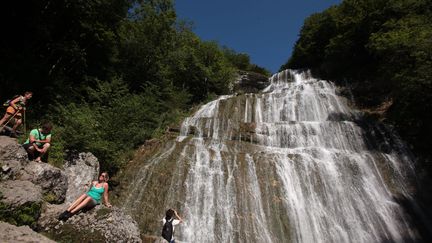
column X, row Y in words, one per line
column 264, row 29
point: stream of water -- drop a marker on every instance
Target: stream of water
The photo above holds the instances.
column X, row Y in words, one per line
column 293, row 163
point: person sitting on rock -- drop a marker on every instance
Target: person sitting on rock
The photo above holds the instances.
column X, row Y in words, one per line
column 15, row 111
column 38, row 143
column 90, row 199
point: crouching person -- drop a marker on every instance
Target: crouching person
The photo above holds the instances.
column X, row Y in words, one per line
column 39, row 142
column 98, row 190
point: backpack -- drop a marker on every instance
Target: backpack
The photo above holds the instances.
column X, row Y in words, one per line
column 167, row 230
column 7, row 102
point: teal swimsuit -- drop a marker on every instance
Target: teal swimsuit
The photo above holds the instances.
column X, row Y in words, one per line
column 96, row 193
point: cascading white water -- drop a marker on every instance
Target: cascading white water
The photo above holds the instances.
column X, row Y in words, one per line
column 290, row 164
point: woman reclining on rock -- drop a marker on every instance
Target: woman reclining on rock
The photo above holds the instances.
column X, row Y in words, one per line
column 93, row 197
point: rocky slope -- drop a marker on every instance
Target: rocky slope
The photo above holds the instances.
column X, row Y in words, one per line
column 34, row 194
column 12, row 233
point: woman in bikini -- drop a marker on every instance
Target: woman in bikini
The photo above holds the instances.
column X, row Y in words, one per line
column 93, row 197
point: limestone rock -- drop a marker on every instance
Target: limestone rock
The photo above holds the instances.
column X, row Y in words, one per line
column 11, row 233
column 250, row 82
column 18, row 193
column 80, row 171
column 49, row 215
column 52, row 180
column 107, row 225
column 11, row 150
column 12, row 158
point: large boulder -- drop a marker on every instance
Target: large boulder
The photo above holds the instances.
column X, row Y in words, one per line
column 52, row 180
column 11, row 233
column 81, row 170
column 10, row 169
column 20, row 202
column 104, row 224
column 11, row 150
column 18, row 193
column 96, row 225
column 12, row 158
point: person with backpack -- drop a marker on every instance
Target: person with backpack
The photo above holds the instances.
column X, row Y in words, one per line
column 39, row 142
column 15, row 110
column 168, row 225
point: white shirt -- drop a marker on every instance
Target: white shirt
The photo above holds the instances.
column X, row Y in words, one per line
column 174, row 222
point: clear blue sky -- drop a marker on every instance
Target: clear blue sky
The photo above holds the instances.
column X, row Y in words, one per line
column 264, row 29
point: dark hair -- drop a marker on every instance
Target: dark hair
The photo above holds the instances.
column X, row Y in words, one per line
column 169, row 214
column 106, row 175
column 28, row 92
column 47, row 125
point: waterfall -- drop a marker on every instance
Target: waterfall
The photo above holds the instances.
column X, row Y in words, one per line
column 293, row 163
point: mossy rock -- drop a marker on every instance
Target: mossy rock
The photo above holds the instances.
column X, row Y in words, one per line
column 102, row 213
column 50, row 197
column 67, row 233
column 26, row 214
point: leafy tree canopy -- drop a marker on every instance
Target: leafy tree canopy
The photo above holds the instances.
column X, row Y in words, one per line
column 383, row 49
column 109, row 73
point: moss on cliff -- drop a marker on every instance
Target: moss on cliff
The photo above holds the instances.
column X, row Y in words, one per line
column 26, row 214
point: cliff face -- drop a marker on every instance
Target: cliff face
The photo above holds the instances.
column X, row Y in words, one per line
column 34, row 194
column 250, row 82
column 293, row 162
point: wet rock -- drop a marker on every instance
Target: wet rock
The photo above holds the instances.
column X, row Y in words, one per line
column 340, row 117
column 11, row 233
column 52, row 180
column 174, row 129
column 81, row 170
column 250, row 82
column 18, row 193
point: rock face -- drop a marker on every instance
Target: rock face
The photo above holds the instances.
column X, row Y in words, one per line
column 99, row 224
column 11, row 233
column 52, row 180
column 18, row 193
column 250, row 82
column 104, row 224
column 28, row 190
column 81, row 170
column 12, row 158
column 11, row 150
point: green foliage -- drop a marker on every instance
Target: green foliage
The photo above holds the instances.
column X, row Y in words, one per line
column 110, row 73
column 50, row 197
column 26, row 214
column 68, row 233
column 384, row 50
column 242, row 62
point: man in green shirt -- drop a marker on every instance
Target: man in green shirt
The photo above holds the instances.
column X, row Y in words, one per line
column 39, row 141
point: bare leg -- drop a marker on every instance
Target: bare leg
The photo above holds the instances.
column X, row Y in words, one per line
column 18, row 122
column 82, row 204
column 4, row 119
column 77, row 202
column 44, row 150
